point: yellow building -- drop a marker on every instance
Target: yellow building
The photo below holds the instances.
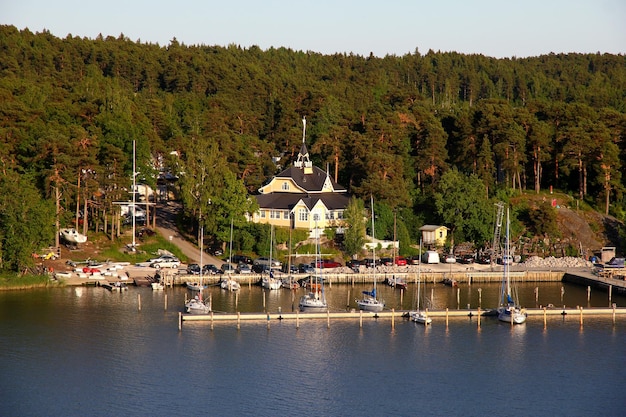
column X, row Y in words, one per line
column 434, row 235
column 301, row 195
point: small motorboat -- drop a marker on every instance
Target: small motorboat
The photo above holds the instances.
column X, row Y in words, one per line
column 72, row 236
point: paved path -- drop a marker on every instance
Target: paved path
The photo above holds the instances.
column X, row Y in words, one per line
column 166, row 226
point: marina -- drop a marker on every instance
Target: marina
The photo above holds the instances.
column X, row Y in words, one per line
column 55, row 338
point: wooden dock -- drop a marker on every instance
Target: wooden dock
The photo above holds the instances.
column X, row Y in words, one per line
column 391, row 315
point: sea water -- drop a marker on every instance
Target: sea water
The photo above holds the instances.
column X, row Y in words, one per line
column 86, row 351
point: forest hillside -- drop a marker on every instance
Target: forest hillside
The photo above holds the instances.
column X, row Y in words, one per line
column 434, row 137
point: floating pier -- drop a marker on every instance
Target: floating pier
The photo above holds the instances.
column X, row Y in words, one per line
column 360, row 315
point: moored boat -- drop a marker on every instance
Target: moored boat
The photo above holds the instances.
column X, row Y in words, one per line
column 72, row 236
column 197, row 306
column 508, row 310
column 369, row 302
column 230, row 284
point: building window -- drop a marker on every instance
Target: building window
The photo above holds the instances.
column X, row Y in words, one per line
column 339, row 215
column 262, row 214
column 275, row 214
column 285, row 186
column 303, row 215
column 286, row 215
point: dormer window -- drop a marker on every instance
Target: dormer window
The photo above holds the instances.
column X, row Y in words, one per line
column 285, row 186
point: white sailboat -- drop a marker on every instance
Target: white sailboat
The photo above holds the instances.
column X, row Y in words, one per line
column 418, row 315
column 198, row 286
column 369, row 302
column 229, row 283
column 269, row 281
column 197, row 306
column 315, row 301
column 508, row 309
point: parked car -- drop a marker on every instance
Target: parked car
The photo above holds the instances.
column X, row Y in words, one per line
column 165, row 261
column 414, row 260
column 285, row 269
column 261, row 269
column 450, row 259
column 210, row 269
column 241, row 259
column 227, row 268
column 370, row 263
column 400, row 261
column 193, row 269
column 386, row 261
column 353, row 264
column 430, row 257
column 276, row 264
column 484, row 260
column 327, row 263
column 466, row 259
column 306, row 269
column 506, row 260
column 244, row 268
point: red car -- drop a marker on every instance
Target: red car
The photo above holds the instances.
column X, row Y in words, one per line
column 327, row 263
column 400, row 261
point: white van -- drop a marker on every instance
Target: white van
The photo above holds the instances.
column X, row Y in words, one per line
column 430, row 257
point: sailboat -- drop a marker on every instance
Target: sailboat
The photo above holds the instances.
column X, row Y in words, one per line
column 229, row 283
column 198, row 286
column 197, row 306
column 269, row 281
column 315, row 300
column 508, row 309
column 418, row 315
column 369, row 302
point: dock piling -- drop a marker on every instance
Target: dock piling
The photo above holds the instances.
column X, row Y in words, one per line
column 139, row 301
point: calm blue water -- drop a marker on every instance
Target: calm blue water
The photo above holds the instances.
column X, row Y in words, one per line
column 86, row 351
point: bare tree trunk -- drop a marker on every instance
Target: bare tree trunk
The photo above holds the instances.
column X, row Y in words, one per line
column 85, row 217
column 77, row 202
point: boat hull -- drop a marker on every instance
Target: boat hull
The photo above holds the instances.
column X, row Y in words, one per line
column 313, row 304
column 72, row 236
column 230, row 285
column 195, row 306
column 271, row 284
column 511, row 314
column 370, row 304
column 420, row 317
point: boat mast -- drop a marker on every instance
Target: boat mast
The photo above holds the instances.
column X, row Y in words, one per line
column 230, row 250
column 373, row 241
column 134, row 213
column 506, row 257
column 419, row 276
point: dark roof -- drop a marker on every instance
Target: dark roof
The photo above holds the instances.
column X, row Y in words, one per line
column 287, row 201
column 310, row 182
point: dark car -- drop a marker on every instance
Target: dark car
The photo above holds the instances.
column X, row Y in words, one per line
column 210, row 269
column 369, row 262
column 306, row 269
column 386, row 261
column 261, row 269
column 193, row 269
column 353, row 264
column 413, row 260
column 285, row 269
column 241, row 259
column 466, row 259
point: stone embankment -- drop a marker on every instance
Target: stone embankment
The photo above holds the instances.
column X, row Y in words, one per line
column 551, row 262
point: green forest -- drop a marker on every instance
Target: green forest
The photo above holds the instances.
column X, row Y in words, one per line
column 434, row 138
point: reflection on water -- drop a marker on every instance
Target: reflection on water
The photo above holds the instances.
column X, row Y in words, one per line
column 87, row 351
